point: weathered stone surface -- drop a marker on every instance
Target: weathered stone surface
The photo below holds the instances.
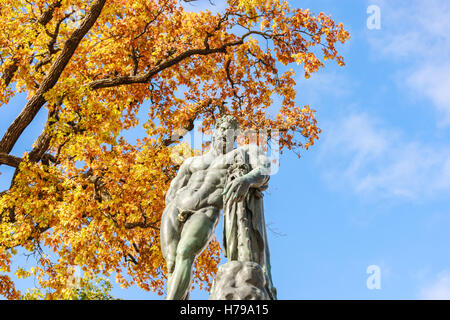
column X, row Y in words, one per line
column 239, row 280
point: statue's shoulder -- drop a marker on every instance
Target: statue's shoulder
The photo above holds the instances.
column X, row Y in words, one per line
column 187, row 163
column 198, row 162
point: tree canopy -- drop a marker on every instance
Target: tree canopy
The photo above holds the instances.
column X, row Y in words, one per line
column 85, row 289
column 84, row 195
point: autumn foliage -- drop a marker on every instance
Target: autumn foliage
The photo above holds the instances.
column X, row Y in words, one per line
column 85, row 196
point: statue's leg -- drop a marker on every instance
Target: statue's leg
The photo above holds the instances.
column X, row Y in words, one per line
column 170, row 235
column 196, row 234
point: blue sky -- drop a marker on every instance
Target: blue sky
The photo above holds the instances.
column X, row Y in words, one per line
column 374, row 190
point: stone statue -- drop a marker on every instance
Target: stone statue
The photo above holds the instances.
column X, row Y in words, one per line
column 195, row 197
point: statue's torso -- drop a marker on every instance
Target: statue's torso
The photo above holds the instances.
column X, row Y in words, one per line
column 206, row 183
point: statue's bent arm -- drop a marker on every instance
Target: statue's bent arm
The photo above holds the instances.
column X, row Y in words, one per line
column 257, row 178
column 260, row 173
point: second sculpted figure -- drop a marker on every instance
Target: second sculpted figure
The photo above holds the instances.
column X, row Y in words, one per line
column 198, row 194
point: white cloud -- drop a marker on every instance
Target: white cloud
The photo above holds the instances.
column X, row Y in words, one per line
column 362, row 155
column 439, row 289
column 329, row 84
column 434, row 82
column 417, row 33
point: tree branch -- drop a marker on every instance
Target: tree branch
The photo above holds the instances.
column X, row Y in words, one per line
column 44, row 18
column 9, row 160
column 8, row 74
column 37, row 101
column 47, row 15
column 125, row 80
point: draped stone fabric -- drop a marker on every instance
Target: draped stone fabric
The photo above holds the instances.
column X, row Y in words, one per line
column 244, row 227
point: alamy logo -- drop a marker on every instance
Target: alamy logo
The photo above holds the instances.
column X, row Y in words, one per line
column 374, row 19
column 374, row 280
column 74, row 280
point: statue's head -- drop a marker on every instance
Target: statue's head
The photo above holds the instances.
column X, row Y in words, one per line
column 225, row 133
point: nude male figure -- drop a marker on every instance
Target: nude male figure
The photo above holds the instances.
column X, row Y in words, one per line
column 194, row 200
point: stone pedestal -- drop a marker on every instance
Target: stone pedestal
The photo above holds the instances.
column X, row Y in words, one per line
column 240, row 280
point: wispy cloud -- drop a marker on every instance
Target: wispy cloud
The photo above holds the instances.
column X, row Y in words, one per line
column 361, row 154
column 323, row 85
column 416, row 33
column 439, row 289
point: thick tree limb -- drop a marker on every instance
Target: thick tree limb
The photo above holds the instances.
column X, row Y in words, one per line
column 37, row 101
column 42, row 143
column 8, row 74
column 13, row 161
column 47, row 15
column 9, row 160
